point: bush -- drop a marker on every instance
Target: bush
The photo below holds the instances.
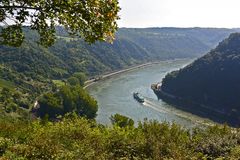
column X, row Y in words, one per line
column 121, row 121
column 73, row 81
column 79, row 138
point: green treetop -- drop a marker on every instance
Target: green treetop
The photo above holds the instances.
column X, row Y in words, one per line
column 89, row 19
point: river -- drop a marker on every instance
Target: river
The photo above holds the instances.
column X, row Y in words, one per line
column 114, row 95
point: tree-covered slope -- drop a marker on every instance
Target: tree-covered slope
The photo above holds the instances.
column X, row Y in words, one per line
column 131, row 46
column 210, row 83
column 70, row 55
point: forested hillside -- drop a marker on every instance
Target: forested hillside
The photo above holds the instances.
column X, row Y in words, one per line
column 210, row 85
column 69, row 55
column 131, row 46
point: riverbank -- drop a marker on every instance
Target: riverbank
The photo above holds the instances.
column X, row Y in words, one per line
column 108, row 75
column 90, row 82
column 193, row 107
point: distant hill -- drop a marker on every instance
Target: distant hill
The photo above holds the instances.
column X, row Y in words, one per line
column 165, row 43
column 210, row 86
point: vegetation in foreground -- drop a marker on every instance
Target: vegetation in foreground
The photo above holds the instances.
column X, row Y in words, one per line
column 79, row 138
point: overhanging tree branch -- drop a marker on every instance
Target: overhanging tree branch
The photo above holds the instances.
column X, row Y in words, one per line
column 88, row 19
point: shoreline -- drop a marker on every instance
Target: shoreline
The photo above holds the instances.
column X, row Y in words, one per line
column 114, row 73
column 203, row 111
column 105, row 76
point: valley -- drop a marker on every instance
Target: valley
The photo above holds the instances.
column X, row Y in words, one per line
column 114, row 95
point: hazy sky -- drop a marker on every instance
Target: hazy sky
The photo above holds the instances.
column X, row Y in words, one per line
column 180, row 13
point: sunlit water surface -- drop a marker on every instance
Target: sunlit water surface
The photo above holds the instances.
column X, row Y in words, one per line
column 114, row 95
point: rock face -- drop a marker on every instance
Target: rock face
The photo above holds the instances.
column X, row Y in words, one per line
column 210, row 86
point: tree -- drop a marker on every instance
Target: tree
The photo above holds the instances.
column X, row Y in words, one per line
column 121, row 121
column 69, row 99
column 73, row 81
column 50, row 104
column 81, row 77
column 86, row 105
column 76, row 99
column 89, row 19
column 5, row 94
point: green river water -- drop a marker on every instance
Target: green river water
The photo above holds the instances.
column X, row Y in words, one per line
column 114, row 95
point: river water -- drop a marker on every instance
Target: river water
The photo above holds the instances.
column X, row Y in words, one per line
column 114, row 95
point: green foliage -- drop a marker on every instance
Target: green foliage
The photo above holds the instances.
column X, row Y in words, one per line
column 81, row 77
column 11, row 107
column 121, row 121
column 79, row 138
column 219, row 143
column 78, row 78
column 73, row 81
column 50, row 105
column 11, row 101
column 68, row 99
column 91, row 20
column 210, row 85
column 12, row 35
column 235, row 153
column 58, row 83
column 63, row 59
column 6, row 84
column 165, row 140
column 5, row 94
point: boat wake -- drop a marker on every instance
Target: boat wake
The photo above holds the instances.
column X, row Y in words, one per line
column 148, row 103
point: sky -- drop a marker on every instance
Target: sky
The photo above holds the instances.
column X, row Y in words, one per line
column 180, row 13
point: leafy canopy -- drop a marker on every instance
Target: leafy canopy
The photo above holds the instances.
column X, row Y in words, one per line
column 121, row 121
column 89, row 19
column 81, row 77
column 68, row 99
